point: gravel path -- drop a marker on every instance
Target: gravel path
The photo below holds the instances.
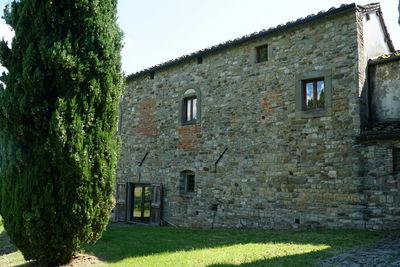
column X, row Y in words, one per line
column 383, row 253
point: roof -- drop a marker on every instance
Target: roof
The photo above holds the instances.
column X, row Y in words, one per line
column 380, row 130
column 375, row 7
column 257, row 35
column 385, row 58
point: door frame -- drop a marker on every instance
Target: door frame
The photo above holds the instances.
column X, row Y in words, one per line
column 131, row 202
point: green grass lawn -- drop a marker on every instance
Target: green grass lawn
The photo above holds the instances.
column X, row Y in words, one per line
column 165, row 246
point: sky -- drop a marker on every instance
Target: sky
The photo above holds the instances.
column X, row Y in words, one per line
column 156, row 31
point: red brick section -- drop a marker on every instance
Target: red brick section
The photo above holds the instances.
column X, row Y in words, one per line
column 273, row 104
column 147, row 125
column 189, row 136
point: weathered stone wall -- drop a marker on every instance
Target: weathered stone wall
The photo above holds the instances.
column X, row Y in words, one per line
column 385, row 91
column 379, row 184
column 280, row 170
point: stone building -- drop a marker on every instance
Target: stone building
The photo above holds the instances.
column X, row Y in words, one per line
column 296, row 126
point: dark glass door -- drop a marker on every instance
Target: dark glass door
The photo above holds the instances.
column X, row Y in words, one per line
column 141, row 203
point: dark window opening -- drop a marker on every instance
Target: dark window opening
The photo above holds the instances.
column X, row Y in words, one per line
column 199, row 60
column 187, row 182
column 262, row 53
column 396, row 160
column 190, row 183
column 189, row 109
column 152, row 75
column 314, row 94
column 214, row 207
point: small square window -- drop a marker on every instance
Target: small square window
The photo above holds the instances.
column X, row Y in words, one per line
column 262, row 53
column 396, row 160
column 189, row 109
column 314, row 94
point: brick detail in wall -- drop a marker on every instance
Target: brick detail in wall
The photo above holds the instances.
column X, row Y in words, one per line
column 274, row 106
column 189, row 136
column 146, row 111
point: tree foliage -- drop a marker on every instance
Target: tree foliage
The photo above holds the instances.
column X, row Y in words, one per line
column 58, row 116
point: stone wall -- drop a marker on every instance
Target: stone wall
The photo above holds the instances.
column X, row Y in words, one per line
column 379, row 184
column 379, row 142
column 279, row 170
column 385, row 91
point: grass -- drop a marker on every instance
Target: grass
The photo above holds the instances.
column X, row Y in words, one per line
column 165, row 246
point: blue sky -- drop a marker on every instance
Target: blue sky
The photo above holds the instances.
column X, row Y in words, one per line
column 160, row 30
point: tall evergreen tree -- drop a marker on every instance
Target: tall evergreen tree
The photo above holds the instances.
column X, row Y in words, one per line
column 58, row 116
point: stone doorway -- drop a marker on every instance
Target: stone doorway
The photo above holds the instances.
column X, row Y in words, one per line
column 144, row 203
column 140, row 196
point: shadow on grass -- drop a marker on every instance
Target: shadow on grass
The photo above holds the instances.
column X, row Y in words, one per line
column 119, row 243
column 305, row 259
column 30, row 264
column 5, row 246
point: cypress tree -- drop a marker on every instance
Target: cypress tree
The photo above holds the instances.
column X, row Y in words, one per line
column 58, row 117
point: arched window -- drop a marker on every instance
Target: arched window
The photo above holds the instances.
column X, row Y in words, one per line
column 188, row 183
column 190, row 107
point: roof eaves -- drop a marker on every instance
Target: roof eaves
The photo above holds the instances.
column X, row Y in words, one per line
column 385, row 31
column 377, row 8
column 385, row 58
column 383, row 136
column 244, row 39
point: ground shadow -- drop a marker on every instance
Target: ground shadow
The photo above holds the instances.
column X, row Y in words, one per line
column 5, row 245
column 30, row 264
column 119, row 243
column 292, row 260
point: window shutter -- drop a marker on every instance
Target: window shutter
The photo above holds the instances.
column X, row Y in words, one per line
column 156, row 204
column 121, row 202
column 184, row 110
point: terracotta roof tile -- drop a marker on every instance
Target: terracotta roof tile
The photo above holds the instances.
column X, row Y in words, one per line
column 385, row 58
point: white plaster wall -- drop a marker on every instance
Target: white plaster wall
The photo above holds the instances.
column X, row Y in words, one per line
column 374, row 38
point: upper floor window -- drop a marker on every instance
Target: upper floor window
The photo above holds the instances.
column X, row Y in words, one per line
column 314, row 94
column 262, row 53
column 190, row 107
